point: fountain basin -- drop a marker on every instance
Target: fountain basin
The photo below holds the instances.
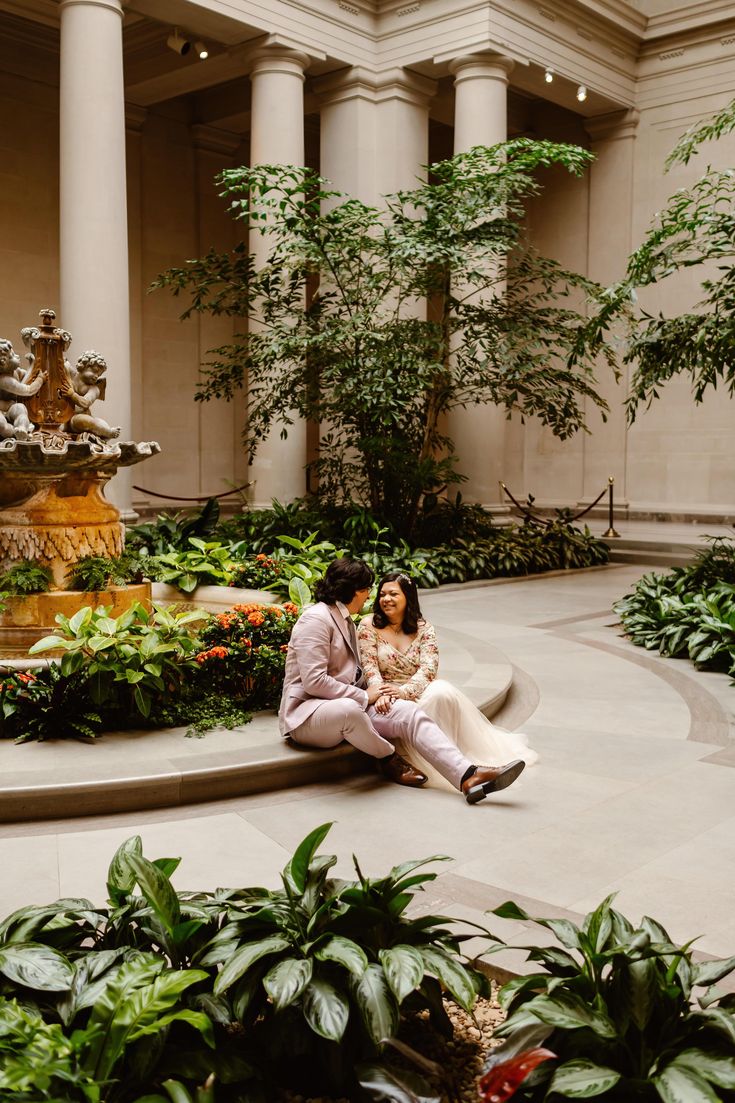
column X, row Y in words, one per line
column 28, row 618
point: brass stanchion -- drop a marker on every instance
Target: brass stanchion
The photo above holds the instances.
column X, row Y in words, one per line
column 610, row 532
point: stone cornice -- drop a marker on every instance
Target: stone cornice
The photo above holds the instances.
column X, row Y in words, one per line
column 693, row 17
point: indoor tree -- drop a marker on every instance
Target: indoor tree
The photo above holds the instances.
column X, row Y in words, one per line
column 377, row 322
column 696, row 228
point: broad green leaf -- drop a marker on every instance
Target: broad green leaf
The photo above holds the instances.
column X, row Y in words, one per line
column 582, row 1079
column 709, row 972
column 718, row 1070
column 679, row 1085
column 376, row 1003
column 157, row 889
column 326, row 1009
column 344, row 952
column 140, row 1000
column 296, row 871
column 640, row 988
column 285, row 982
column 568, row 1012
column 80, row 619
column 36, row 966
column 452, row 975
column 245, row 957
column 120, row 875
column 404, row 970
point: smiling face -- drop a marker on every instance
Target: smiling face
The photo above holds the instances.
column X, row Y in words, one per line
column 392, row 602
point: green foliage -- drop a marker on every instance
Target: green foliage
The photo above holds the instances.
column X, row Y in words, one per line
column 689, row 612
column 615, row 1006
column 201, row 563
column 199, row 710
column 207, row 997
column 28, row 577
column 257, row 572
column 695, row 228
column 47, row 705
column 38, row 1061
column 386, row 379
column 94, row 573
column 127, row 661
column 172, row 532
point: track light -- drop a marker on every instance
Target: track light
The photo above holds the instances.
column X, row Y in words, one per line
column 581, row 93
column 549, row 75
column 178, row 43
column 202, row 49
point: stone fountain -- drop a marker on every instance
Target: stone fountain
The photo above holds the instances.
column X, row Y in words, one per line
column 55, row 458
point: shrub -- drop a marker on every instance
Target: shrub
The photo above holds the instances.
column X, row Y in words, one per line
column 243, row 652
column 28, row 577
column 248, row 990
column 47, row 705
column 689, row 612
column 172, row 532
column 614, row 1008
column 126, row 661
column 202, row 563
column 257, row 572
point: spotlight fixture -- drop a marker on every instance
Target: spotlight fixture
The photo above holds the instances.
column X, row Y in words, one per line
column 202, row 49
column 581, row 93
column 178, row 43
column 549, row 75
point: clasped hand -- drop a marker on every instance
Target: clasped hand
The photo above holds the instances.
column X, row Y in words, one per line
column 382, row 696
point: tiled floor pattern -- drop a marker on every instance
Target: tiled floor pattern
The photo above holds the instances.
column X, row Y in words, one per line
column 623, row 798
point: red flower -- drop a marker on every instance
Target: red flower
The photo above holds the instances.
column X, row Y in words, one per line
column 284, row 647
column 26, row 678
column 503, row 1079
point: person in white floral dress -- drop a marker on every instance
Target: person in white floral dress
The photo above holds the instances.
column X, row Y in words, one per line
column 399, row 652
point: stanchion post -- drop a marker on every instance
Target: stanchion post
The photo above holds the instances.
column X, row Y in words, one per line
column 610, row 532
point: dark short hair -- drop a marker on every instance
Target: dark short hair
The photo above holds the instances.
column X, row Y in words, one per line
column 412, row 614
column 343, row 578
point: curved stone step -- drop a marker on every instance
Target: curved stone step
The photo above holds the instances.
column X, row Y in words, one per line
column 134, row 770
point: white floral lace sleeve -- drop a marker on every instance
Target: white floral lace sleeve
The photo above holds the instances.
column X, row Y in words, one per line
column 427, row 660
column 368, row 640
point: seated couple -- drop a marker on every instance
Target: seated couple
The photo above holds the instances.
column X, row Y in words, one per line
column 384, row 690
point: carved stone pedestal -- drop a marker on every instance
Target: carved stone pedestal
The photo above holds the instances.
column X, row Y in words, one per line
column 57, row 520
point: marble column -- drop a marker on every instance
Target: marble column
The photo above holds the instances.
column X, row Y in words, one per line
column 93, row 204
column 277, row 138
column 480, row 118
column 610, row 240
column 222, row 461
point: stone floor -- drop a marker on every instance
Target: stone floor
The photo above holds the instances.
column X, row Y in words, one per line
column 634, row 792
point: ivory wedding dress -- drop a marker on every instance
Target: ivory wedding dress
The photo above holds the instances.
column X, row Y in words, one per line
column 415, row 671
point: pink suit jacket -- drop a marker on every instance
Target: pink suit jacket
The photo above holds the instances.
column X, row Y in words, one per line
column 321, row 665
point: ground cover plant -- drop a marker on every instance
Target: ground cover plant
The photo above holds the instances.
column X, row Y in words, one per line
column 238, row 993
column 619, row 1013
column 688, row 612
column 149, row 669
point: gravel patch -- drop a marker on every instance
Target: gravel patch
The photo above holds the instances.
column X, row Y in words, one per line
column 462, row 1056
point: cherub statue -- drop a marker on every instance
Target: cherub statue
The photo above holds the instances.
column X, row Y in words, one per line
column 87, row 386
column 14, row 420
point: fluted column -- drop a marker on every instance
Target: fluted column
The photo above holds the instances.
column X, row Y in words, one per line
column 480, row 118
column 277, row 138
column 609, row 242
column 93, row 203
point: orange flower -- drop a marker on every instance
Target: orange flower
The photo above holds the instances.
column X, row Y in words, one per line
column 262, row 558
column 249, row 608
column 256, row 619
column 290, row 607
column 246, row 642
column 284, row 647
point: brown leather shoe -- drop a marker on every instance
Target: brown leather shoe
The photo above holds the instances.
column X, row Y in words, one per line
column 398, row 769
column 490, row 779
